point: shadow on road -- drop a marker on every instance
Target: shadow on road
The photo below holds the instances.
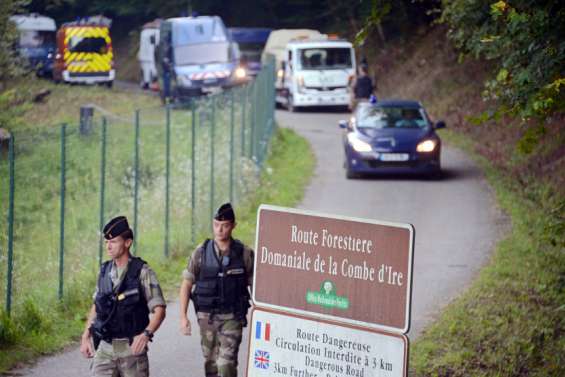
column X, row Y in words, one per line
column 446, row 175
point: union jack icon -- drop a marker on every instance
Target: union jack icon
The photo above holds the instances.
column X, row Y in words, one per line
column 262, row 359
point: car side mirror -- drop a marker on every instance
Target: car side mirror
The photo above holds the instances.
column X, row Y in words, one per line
column 152, row 39
column 343, row 124
column 440, row 124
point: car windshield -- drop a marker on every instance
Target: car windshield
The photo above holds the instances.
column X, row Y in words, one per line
column 370, row 116
column 36, row 38
column 324, row 58
column 202, row 53
column 96, row 45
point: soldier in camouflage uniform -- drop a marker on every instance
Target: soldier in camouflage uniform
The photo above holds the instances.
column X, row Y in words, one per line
column 220, row 270
column 119, row 326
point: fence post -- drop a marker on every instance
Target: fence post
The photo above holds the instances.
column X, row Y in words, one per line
column 232, row 109
column 11, row 158
column 136, row 182
column 102, row 187
column 193, row 172
column 243, row 110
column 167, row 177
column 62, row 214
column 212, row 157
column 253, row 117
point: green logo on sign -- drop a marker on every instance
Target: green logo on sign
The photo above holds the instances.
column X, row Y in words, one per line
column 327, row 297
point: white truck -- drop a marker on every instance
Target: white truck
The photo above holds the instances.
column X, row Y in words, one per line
column 148, row 40
column 315, row 71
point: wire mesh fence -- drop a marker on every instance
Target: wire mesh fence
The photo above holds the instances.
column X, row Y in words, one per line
column 165, row 168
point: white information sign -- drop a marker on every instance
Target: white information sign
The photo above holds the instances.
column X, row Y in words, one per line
column 284, row 344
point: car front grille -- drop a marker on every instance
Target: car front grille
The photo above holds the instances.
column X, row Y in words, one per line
column 324, row 88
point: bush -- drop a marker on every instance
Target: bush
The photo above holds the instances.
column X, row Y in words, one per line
column 524, row 42
column 8, row 330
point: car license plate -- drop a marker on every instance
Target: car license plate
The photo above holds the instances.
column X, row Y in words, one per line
column 394, row 156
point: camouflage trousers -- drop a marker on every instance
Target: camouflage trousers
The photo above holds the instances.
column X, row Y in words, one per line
column 220, row 340
column 116, row 360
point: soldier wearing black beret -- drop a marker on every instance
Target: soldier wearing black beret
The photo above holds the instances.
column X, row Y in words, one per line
column 221, row 272
column 119, row 325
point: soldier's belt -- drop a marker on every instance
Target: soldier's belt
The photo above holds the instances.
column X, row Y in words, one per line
column 218, row 316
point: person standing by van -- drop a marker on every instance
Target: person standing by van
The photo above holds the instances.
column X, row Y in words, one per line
column 363, row 86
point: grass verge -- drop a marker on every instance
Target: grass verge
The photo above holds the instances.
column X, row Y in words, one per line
column 511, row 322
column 34, row 104
column 38, row 331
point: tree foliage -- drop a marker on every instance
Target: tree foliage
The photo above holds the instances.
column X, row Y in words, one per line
column 9, row 60
column 525, row 42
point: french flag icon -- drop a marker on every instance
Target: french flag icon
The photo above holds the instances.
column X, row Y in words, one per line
column 263, row 330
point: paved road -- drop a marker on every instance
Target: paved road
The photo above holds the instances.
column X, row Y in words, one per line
column 456, row 221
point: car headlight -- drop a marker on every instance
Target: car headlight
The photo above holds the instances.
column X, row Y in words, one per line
column 240, row 73
column 426, row 146
column 358, row 144
column 280, row 73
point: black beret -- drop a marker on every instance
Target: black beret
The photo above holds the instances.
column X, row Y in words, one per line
column 225, row 213
column 116, row 227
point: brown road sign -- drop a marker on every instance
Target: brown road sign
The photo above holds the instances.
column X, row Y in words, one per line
column 347, row 269
column 293, row 345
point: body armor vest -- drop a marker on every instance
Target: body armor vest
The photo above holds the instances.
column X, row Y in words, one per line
column 221, row 286
column 121, row 313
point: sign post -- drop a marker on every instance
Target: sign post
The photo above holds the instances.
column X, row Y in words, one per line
column 350, row 270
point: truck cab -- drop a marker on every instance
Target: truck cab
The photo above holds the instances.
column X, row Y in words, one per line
column 195, row 55
column 36, row 41
column 316, row 73
column 84, row 52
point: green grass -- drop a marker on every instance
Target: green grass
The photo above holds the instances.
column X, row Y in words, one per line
column 511, row 322
column 63, row 103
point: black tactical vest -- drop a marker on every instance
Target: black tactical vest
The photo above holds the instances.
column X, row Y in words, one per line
column 221, row 286
column 122, row 313
column 363, row 87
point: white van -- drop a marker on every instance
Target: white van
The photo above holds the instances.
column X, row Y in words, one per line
column 316, row 73
column 148, row 40
column 36, row 41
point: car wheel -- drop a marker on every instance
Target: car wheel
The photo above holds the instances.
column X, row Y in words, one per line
column 436, row 175
column 109, row 84
column 349, row 174
column 290, row 105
